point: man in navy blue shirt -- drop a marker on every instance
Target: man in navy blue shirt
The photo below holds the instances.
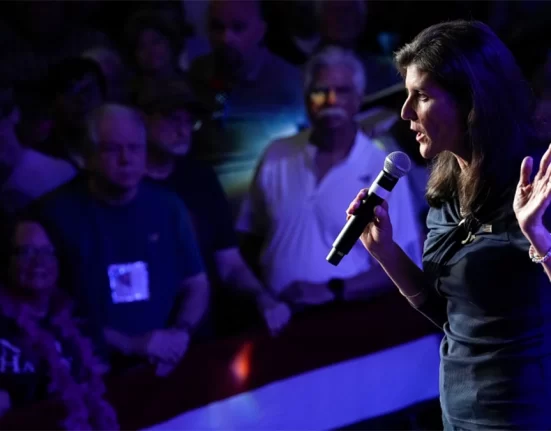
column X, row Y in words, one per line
column 128, row 251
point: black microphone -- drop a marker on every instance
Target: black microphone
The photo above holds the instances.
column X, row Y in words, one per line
column 397, row 164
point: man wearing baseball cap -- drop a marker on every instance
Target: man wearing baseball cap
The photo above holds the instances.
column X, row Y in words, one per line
column 172, row 114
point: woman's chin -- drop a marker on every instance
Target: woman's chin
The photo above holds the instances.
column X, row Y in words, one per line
column 425, row 151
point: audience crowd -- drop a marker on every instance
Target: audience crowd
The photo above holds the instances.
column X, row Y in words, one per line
column 167, row 181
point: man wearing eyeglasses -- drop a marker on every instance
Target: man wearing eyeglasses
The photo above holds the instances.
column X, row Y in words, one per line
column 172, row 114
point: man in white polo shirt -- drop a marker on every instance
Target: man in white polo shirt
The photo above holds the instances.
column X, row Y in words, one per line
column 303, row 185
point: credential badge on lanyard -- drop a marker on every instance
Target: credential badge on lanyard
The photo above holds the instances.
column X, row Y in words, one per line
column 129, row 282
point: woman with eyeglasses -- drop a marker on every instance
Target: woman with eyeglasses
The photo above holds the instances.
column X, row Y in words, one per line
column 43, row 353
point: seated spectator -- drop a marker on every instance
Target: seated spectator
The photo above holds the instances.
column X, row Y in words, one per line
column 255, row 96
column 171, row 114
column 153, row 43
column 76, row 87
column 129, row 251
column 176, row 15
column 25, row 174
column 43, row 352
column 294, row 209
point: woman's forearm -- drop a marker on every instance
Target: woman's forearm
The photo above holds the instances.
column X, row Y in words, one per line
column 407, row 276
column 411, row 282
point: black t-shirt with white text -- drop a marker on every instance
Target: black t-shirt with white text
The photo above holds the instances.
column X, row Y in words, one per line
column 23, row 373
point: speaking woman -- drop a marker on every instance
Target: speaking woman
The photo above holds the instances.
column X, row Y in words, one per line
column 482, row 280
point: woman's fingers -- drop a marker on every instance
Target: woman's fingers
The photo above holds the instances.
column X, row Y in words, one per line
column 355, row 203
column 525, row 171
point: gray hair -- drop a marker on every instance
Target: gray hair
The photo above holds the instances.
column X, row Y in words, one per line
column 111, row 110
column 335, row 56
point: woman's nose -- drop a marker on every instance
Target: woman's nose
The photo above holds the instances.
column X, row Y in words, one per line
column 408, row 113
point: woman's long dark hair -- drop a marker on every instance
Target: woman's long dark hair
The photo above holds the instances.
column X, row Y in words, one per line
column 476, row 68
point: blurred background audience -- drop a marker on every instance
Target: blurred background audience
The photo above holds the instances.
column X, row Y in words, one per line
column 185, row 166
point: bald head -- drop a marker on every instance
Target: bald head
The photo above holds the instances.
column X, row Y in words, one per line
column 236, row 29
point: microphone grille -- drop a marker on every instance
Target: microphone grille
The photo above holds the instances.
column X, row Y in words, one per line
column 397, row 164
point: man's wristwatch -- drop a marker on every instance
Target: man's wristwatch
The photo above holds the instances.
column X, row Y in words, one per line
column 336, row 285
